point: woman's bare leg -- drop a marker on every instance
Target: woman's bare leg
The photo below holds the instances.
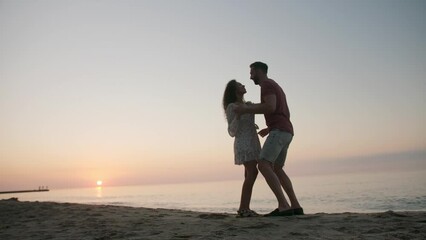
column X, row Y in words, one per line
column 250, row 174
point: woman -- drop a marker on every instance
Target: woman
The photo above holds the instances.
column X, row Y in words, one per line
column 246, row 143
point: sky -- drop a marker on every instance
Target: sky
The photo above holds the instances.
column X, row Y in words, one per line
column 129, row 92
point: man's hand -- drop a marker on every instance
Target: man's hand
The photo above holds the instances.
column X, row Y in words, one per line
column 263, row 132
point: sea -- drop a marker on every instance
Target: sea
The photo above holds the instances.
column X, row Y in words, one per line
column 356, row 192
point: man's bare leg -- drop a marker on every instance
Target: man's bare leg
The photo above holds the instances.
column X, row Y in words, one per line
column 287, row 186
column 271, row 178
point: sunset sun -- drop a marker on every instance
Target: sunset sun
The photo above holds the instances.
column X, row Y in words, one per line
column 99, row 183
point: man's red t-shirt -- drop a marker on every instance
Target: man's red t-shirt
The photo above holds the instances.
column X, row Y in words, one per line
column 280, row 119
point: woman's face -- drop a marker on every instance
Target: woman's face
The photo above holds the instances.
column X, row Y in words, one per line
column 241, row 89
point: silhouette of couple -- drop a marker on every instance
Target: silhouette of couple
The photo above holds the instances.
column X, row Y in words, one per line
column 269, row 159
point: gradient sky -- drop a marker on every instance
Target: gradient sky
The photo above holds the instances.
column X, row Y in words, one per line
column 130, row 92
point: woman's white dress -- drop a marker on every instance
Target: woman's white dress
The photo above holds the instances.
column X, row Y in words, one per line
column 246, row 143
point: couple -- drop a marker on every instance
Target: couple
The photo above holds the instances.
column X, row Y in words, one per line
column 270, row 159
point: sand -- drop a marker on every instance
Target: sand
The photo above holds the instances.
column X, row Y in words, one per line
column 48, row 220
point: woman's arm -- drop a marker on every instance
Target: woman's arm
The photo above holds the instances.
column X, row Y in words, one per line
column 232, row 120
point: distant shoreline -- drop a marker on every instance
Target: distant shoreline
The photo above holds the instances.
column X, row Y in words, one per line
column 25, row 191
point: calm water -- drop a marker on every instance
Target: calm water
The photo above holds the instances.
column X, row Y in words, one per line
column 333, row 193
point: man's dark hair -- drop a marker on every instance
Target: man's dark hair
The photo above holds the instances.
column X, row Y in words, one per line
column 260, row 65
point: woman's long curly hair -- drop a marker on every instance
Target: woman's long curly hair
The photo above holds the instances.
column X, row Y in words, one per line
column 230, row 94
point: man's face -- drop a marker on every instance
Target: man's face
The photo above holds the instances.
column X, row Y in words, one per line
column 254, row 76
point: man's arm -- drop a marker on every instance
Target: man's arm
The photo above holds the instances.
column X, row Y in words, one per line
column 267, row 107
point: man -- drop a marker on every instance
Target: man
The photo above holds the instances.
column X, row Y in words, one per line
column 273, row 154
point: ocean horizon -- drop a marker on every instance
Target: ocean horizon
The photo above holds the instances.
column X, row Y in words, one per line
column 356, row 192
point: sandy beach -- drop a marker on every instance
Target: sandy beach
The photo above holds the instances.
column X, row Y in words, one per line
column 48, row 220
